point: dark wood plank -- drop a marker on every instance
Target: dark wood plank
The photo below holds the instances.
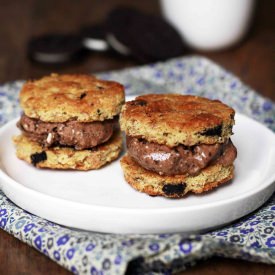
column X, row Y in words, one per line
column 18, row 258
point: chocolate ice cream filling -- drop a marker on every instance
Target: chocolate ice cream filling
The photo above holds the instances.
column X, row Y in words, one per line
column 80, row 135
column 180, row 159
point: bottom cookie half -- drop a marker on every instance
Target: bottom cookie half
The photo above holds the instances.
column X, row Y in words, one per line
column 174, row 186
column 66, row 157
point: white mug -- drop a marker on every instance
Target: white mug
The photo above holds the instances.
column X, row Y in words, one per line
column 209, row 24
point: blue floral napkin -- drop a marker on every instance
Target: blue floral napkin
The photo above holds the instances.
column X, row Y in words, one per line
column 251, row 238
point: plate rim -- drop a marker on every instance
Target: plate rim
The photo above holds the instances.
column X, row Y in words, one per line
column 264, row 183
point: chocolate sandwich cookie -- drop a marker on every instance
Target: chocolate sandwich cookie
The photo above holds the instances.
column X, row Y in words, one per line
column 55, row 48
column 94, row 37
column 70, row 122
column 177, row 144
column 144, row 36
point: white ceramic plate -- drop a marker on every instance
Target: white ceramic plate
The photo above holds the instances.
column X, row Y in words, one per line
column 102, row 201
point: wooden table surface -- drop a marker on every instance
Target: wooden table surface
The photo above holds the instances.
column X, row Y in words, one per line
column 252, row 60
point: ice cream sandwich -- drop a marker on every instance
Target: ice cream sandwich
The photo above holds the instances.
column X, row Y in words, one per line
column 69, row 122
column 177, row 144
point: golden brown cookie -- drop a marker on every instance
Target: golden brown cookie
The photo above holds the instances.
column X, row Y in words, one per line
column 174, row 119
column 174, row 186
column 65, row 157
column 58, row 98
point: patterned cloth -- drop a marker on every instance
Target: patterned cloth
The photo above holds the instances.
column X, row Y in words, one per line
column 250, row 238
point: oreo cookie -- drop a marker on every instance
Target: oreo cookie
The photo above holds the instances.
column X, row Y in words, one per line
column 55, row 48
column 94, row 37
column 146, row 37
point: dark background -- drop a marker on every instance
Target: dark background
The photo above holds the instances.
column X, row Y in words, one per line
column 252, row 60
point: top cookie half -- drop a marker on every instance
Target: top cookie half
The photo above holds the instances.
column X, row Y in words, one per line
column 58, row 98
column 174, row 119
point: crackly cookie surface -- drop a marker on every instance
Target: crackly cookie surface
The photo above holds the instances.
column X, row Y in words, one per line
column 59, row 98
column 66, row 157
column 174, row 119
column 174, row 186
